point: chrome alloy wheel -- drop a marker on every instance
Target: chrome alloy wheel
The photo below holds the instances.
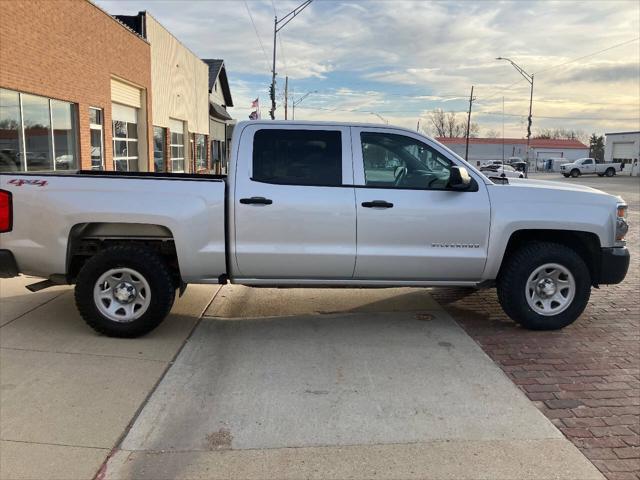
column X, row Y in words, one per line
column 122, row 294
column 550, row 289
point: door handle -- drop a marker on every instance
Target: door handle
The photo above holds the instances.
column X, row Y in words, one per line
column 256, row 201
column 377, row 204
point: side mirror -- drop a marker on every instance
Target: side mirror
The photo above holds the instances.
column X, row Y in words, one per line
column 459, row 179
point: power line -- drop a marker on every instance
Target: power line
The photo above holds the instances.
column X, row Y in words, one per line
column 588, row 55
column 422, row 111
column 497, row 92
column 264, row 52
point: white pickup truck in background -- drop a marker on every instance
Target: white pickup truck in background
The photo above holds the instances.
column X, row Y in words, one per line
column 585, row 166
column 312, row 204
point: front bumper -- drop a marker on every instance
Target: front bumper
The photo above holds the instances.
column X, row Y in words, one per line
column 8, row 265
column 614, row 263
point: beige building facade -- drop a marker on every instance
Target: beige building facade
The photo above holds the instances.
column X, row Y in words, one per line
column 180, row 99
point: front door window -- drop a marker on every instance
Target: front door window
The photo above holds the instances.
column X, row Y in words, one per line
column 392, row 160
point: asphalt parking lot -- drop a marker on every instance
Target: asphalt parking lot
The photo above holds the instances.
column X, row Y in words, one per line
column 268, row 383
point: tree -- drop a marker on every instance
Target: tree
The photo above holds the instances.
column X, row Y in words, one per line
column 561, row 134
column 492, row 134
column 596, row 146
column 448, row 124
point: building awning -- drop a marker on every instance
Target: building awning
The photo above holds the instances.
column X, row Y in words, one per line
column 218, row 111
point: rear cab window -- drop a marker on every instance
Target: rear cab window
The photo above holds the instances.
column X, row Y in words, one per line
column 298, row 157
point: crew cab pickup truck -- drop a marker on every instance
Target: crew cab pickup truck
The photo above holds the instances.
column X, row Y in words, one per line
column 312, row 205
column 584, row 166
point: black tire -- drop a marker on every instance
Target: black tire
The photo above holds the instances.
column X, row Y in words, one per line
column 610, row 172
column 516, row 271
column 575, row 173
column 601, row 174
column 150, row 266
column 566, row 175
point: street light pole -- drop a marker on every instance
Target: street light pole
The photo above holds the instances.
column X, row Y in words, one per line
column 298, row 102
column 380, row 117
column 529, row 78
column 277, row 26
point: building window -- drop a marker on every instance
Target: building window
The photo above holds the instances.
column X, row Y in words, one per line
column 125, row 138
column 10, row 131
column 200, row 153
column 95, row 129
column 177, row 146
column 159, row 148
column 36, row 133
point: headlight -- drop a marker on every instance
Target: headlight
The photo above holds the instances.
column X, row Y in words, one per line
column 622, row 227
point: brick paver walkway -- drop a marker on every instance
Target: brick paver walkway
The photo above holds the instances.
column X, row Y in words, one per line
column 586, row 377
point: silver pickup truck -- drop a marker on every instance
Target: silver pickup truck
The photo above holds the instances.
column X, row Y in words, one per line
column 307, row 205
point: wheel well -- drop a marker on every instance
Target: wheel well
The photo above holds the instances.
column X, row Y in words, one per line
column 586, row 244
column 88, row 239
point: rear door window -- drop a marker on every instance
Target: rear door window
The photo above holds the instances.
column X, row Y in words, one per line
column 298, row 157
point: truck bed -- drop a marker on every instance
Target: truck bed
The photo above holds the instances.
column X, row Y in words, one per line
column 51, row 208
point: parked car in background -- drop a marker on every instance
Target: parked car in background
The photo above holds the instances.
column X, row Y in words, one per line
column 585, row 166
column 519, row 165
column 502, row 171
column 491, row 163
column 310, row 204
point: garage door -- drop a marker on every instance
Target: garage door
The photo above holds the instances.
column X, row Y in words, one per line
column 623, row 151
column 125, row 93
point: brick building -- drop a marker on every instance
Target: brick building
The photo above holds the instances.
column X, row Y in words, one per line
column 74, row 89
column 81, row 89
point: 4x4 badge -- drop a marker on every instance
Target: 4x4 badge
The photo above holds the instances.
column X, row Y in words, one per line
column 18, row 182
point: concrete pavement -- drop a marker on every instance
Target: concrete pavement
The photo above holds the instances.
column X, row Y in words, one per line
column 399, row 393
column 273, row 383
column 67, row 394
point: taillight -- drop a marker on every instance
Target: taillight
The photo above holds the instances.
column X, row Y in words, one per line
column 6, row 212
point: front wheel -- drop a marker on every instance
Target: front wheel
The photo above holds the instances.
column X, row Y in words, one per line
column 575, row 173
column 544, row 286
column 124, row 291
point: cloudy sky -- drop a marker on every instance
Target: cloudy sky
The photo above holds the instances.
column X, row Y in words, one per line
column 399, row 60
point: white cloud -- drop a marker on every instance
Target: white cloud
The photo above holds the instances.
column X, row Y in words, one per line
column 356, row 54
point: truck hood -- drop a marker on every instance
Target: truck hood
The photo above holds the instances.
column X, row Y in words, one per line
column 546, row 190
column 550, row 184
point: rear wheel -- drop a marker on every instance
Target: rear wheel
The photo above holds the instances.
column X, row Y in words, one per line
column 575, row 173
column 544, row 286
column 610, row 172
column 124, row 291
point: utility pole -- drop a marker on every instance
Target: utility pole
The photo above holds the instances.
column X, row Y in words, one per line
column 277, row 26
column 529, row 78
column 471, row 99
column 286, row 97
column 418, row 126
